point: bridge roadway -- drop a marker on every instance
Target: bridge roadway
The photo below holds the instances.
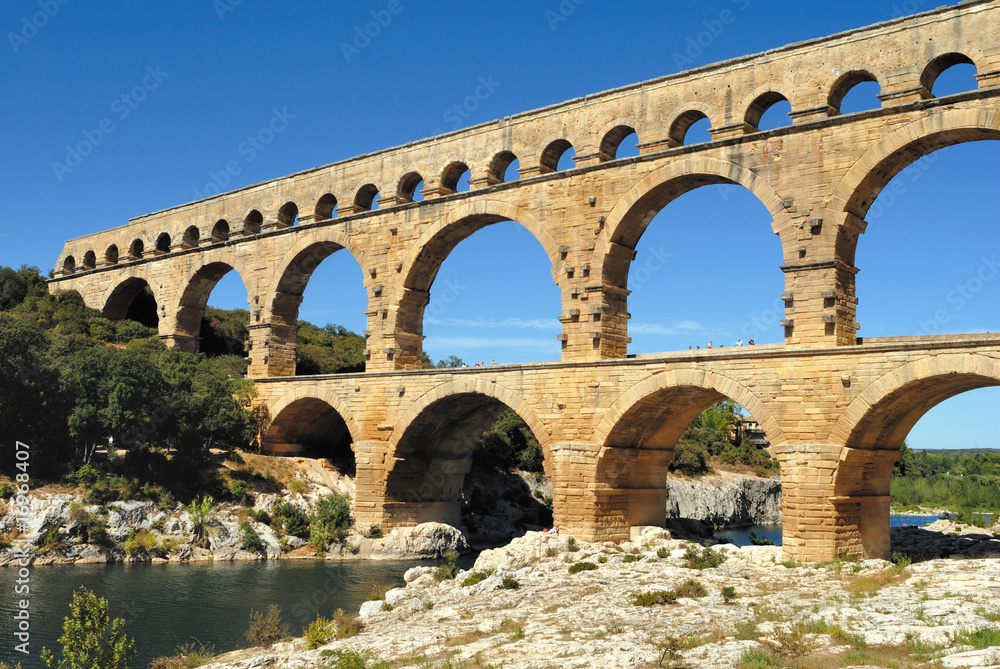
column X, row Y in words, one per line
column 835, row 418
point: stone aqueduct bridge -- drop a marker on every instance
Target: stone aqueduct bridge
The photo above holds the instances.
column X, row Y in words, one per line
column 834, row 408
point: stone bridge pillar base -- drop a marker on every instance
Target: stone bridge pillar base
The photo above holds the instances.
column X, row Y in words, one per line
column 369, row 483
column 573, row 502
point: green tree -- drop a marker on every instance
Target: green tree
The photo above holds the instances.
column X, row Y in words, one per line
column 509, row 444
column 90, row 639
column 17, row 285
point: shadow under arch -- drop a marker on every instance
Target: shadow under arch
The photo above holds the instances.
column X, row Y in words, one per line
column 637, row 436
column 119, row 302
column 315, row 423
column 422, row 263
column 430, row 448
column 858, row 189
column 284, row 294
column 873, row 428
column 198, row 287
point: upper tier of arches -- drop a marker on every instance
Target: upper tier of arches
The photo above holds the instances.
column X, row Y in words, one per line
column 659, row 120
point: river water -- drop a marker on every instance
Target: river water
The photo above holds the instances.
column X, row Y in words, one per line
column 166, row 605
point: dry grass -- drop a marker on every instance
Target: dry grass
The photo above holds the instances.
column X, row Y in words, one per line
column 868, row 584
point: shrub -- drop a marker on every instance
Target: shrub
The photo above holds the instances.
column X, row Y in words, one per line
column 265, row 629
column 662, row 553
column 345, row 626
column 631, row 558
column 291, row 519
column 690, row 458
column 373, row 532
column 50, row 542
column 760, row 541
column 297, row 486
column 476, row 577
column 7, row 489
column 140, row 542
column 377, row 593
column 603, row 559
column 706, row 558
column 85, row 476
column 984, row 637
column 187, row 656
column 90, row 637
column 577, row 567
column 201, row 511
column 331, row 519
column 509, row 584
column 729, row 594
column 238, row 492
column 251, row 540
column 449, row 568
column 690, row 588
column 318, row 633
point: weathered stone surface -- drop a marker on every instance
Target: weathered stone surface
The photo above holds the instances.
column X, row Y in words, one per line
column 427, row 540
column 725, row 500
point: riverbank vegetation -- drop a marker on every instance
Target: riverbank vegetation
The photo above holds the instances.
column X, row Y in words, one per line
column 713, row 441
column 963, row 481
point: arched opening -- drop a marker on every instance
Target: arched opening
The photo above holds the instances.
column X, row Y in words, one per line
column 133, row 300
column 163, row 243
column 253, row 223
column 366, row 199
column 111, row 255
column 936, row 204
column 614, row 144
column 503, row 167
column 483, row 312
column 288, row 215
column 714, row 283
column 69, row 265
column 949, row 74
column 691, row 127
column 89, row 259
column 326, row 207
column 220, row 232
column 455, row 177
column 557, row 156
column 311, row 428
column 409, row 188
column 135, row 250
column 855, row 91
column 863, row 482
column 455, row 463
column 325, row 332
column 685, row 428
column 768, row 112
column 191, row 237
column 219, row 329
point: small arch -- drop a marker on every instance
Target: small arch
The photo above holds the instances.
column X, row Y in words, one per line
column 845, row 84
column 326, row 207
column 89, row 260
column 613, row 139
column 163, row 243
column 499, row 166
column 408, row 189
column 365, row 200
column 311, row 427
column 759, row 107
column 135, row 250
column 682, row 124
column 191, row 237
column 111, row 255
column 253, row 222
column 553, row 153
column 452, row 176
column 132, row 299
column 69, row 265
column 939, row 65
column 220, row 231
column 288, row 215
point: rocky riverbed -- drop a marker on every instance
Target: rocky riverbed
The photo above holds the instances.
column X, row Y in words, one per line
column 841, row 614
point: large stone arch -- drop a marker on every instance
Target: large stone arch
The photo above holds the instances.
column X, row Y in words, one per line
column 429, row 451
column 308, row 417
column 421, row 265
column 195, row 289
column 871, row 430
column 857, row 190
column 118, row 297
column 636, row 439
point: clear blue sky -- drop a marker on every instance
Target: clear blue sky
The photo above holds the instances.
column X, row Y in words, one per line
column 215, row 71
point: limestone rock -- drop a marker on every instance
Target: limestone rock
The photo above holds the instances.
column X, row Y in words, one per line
column 725, row 500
